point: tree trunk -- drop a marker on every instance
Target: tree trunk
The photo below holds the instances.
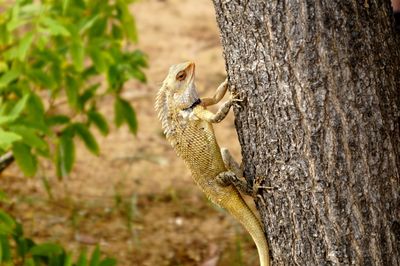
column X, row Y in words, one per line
column 319, row 124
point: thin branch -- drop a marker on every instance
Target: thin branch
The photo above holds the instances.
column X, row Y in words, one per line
column 5, row 161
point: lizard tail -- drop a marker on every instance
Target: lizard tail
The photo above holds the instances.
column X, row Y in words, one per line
column 241, row 211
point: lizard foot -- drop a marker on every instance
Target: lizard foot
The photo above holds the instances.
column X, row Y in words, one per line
column 230, row 178
column 235, row 100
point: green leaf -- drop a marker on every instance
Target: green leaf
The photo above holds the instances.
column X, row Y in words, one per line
column 65, row 6
column 46, row 250
column 77, row 54
column 3, row 65
column 15, row 111
column 136, row 73
column 30, row 9
column 8, row 77
column 98, row 59
column 24, row 158
column 99, row 120
column 138, row 58
column 99, row 27
column 128, row 22
column 82, row 260
column 68, row 260
column 108, row 262
column 19, row 106
column 57, row 120
column 4, row 34
column 95, row 259
column 36, row 106
column 8, row 138
column 124, row 112
column 29, row 136
column 90, row 142
column 56, row 71
column 129, row 26
column 3, row 196
column 19, row 231
column 114, row 78
column 24, row 45
column 55, row 27
column 5, row 249
column 116, row 31
column 5, row 119
column 29, row 262
column 15, row 18
column 88, row 94
column 89, row 24
column 12, row 25
column 40, row 127
column 118, row 113
column 40, row 77
column 35, row 113
column 23, row 245
column 7, row 224
column 72, row 90
column 65, row 155
column 89, row 72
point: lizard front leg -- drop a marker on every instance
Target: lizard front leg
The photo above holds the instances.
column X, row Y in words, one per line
column 210, row 117
column 219, row 94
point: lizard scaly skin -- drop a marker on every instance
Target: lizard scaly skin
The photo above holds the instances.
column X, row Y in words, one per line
column 187, row 125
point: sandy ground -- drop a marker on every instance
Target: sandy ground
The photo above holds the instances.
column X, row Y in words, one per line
column 137, row 200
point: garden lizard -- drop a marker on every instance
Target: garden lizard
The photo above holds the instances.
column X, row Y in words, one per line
column 187, row 125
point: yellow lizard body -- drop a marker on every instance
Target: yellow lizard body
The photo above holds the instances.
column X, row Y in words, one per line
column 188, row 127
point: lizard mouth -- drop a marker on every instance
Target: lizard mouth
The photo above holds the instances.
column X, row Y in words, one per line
column 190, row 70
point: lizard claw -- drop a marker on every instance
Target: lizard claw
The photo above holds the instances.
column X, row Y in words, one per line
column 235, row 97
column 236, row 100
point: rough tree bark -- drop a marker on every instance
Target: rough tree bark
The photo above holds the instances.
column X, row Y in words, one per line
column 319, row 124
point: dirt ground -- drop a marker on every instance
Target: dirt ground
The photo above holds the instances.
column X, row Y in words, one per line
column 137, row 200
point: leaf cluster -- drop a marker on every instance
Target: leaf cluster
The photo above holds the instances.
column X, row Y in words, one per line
column 16, row 249
column 58, row 60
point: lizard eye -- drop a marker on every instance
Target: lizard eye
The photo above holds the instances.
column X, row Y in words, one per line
column 181, row 75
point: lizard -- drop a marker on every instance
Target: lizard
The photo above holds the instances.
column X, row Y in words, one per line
column 187, row 125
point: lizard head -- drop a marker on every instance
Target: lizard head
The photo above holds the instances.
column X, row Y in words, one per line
column 178, row 92
column 180, row 85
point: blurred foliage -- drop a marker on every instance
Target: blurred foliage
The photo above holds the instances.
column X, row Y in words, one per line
column 16, row 249
column 57, row 60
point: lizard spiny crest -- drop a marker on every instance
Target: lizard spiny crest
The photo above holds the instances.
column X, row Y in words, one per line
column 161, row 107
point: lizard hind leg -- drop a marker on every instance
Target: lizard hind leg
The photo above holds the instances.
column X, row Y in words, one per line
column 228, row 178
column 230, row 162
column 234, row 175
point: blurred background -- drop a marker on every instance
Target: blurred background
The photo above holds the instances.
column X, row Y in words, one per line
column 135, row 199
